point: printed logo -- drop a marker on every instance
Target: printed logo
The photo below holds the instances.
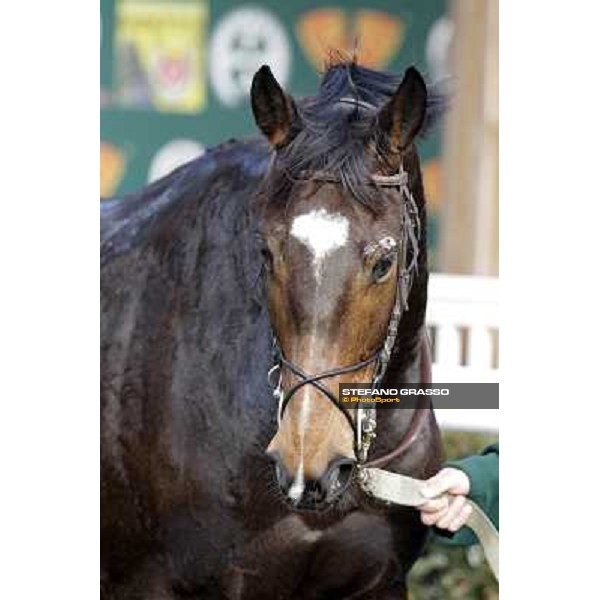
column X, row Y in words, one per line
column 437, row 49
column 171, row 73
column 112, row 168
column 374, row 35
column 243, row 40
column 172, row 155
column 432, row 182
column 159, row 52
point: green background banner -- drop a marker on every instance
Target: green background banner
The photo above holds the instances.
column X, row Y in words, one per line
column 175, row 73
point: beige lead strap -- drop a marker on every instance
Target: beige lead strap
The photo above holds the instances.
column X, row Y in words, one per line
column 400, row 489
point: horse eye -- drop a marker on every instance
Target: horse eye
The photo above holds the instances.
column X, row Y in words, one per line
column 382, row 268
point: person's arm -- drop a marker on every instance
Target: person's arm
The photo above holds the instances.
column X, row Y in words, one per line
column 474, row 477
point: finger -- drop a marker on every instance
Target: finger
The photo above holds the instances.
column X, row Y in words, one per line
column 439, row 484
column 456, row 505
column 431, row 519
column 435, row 504
column 462, row 518
column 450, row 480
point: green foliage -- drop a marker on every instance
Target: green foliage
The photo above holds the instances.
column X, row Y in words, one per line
column 447, row 572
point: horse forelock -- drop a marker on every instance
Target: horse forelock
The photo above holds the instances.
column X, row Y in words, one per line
column 339, row 137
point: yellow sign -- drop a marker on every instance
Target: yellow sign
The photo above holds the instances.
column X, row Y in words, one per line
column 160, row 54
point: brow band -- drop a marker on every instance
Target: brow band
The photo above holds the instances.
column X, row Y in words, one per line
column 379, row 180
column 356, row 102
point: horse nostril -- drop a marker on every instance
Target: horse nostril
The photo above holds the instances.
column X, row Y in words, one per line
column 345, row 471
column 282, row 475
column 340, row 474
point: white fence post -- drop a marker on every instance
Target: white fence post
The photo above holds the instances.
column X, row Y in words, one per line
column 447, row 339
column 469, row 303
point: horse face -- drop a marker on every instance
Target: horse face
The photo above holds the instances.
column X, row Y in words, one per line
column 332, row 264
column 331, row 280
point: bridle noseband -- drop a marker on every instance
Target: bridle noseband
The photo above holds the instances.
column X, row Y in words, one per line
column 364, row 424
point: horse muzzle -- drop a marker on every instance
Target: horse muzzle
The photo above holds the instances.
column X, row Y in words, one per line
column 315, row 493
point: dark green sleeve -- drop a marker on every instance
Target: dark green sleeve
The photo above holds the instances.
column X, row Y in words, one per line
column 482, row 471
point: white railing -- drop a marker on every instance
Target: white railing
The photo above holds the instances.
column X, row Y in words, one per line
column 462, row 318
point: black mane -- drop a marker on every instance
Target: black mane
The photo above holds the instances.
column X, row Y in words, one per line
column 219, row 182
column 332, row 136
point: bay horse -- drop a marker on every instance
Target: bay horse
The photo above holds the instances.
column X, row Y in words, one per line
column 304, row 251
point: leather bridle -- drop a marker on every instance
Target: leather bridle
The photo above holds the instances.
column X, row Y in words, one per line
column 364, row 424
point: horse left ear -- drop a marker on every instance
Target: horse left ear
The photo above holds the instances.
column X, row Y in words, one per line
column 274, row 111
column 402, row 117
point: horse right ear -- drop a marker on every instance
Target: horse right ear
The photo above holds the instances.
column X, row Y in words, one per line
column 403, row 116
column 274, row 111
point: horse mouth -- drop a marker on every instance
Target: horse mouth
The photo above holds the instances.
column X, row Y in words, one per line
column 315, row 499
column 314, row 506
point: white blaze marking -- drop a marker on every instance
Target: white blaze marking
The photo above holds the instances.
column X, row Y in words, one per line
column 321, row 232
column 298, row 485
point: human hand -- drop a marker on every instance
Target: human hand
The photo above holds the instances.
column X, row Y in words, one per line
column 446, row 506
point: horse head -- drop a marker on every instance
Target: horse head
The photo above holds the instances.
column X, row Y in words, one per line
column 340, row 238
